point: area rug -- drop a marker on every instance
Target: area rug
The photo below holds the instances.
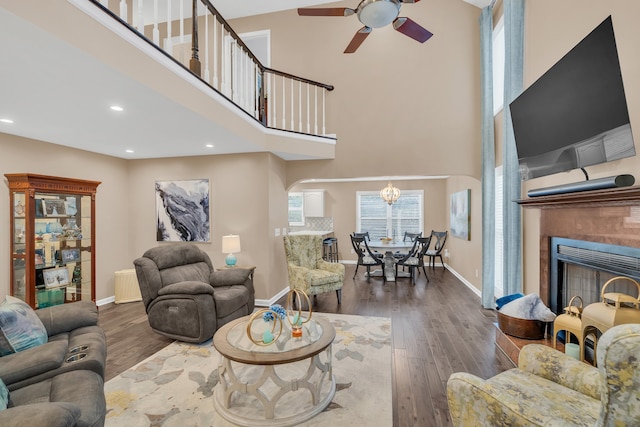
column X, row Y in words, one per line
column 174, row 387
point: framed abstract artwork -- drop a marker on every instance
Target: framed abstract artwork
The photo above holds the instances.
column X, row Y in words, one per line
column 460, row 214
column 182, row 211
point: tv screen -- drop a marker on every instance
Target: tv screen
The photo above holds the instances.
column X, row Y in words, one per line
column 575, row 115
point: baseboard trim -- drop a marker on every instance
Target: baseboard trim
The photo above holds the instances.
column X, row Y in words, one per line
column 105, row 301
column 465, row 281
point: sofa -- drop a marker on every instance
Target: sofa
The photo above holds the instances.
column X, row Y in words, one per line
column 308, row 272
column 59, row 382
column 548, row 388
column 185, row 297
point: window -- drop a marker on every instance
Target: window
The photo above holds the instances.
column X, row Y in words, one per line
column 381, row 220
column 296, row 208
column 498, row 66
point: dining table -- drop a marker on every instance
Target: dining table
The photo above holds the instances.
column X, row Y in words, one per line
column 389, row 248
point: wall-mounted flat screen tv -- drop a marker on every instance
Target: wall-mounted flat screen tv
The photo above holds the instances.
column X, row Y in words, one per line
column 575, row 115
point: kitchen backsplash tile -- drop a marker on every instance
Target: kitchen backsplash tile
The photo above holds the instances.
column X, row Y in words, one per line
column 315, row 224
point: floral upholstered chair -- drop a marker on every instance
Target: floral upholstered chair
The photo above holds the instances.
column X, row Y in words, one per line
column 308, row 272
column 551, row 389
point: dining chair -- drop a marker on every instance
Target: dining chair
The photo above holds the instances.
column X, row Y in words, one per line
column 415, row 258
column 365, row 234
column 440, row 239
column 408, row 237
column 365, row 256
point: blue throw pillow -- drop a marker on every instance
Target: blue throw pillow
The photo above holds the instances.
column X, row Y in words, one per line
column 4, row 395
column 20, row 327
column 507, row 299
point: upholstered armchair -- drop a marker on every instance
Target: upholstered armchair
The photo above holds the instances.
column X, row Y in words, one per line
column 308, row 272
column 550, row 388
column 185, row 297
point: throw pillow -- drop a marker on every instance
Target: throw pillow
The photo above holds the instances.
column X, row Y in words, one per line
column 20, row 327
column 4, row 395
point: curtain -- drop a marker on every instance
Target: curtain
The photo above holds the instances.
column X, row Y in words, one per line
column 488, row 157
column 513, row 81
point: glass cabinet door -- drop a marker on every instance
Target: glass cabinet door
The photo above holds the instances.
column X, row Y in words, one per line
column 18, row 244
column 63, row 246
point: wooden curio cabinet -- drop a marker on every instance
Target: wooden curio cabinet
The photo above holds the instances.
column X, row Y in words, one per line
column 52, row 239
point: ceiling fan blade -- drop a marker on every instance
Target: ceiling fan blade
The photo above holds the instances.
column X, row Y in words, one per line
column 326, row 11
column 410, row 28
column 357, row 40
column 409, row 1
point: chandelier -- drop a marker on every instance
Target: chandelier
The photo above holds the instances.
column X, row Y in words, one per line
column 390, row 194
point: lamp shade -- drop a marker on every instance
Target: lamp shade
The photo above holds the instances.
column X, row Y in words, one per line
column 231, row 244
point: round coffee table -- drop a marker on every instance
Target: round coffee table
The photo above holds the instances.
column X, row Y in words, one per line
column 282, row 384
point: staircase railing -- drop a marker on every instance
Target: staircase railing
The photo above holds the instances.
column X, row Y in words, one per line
column 217, row 55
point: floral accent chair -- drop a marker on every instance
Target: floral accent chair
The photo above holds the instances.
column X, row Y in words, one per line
column 308, row 272
column 550, row 388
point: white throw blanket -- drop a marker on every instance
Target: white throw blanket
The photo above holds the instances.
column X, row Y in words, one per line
column 528, row 307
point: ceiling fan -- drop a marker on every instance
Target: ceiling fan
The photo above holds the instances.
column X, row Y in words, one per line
column 374, row 14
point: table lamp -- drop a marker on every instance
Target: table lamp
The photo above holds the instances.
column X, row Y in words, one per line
column 230, row 246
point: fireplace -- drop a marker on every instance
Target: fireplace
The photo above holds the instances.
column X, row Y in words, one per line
column 582, row 268
column 606, row 221
column 572, row 229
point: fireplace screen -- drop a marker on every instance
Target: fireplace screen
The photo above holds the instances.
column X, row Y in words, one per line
column 582, row 268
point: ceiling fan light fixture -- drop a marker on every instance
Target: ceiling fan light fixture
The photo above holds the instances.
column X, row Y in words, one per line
column 378, row 13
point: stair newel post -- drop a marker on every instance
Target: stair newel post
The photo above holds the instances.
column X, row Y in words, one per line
column 194, row 62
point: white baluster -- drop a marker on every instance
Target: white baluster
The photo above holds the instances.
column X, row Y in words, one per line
column 123, row 9
column 324, row 131
column 105, row 3
column 272, row 100
column 284, row 100
column 156, row 32
column 223, row 63
column 215, row 52
column 300, row 106
column 292, row 109
column 181, row 22
column 315, row 109
column 206, row 45
column 169, row 47
column 140, row 17
column 308, row 105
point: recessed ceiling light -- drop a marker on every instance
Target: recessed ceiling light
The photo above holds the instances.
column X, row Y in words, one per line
column 209, row 145
column 116, row 108
column 6, row 121
column 130, row 151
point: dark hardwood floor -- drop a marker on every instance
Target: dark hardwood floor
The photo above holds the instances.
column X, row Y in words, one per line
column 438, row 328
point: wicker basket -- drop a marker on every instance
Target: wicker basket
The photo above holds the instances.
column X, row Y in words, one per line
column 521, row 328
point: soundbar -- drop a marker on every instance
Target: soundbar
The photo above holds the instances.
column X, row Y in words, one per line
column 592, row 184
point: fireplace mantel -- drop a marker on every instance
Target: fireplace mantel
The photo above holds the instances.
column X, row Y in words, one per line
column 624, row 196
column 605, row 216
